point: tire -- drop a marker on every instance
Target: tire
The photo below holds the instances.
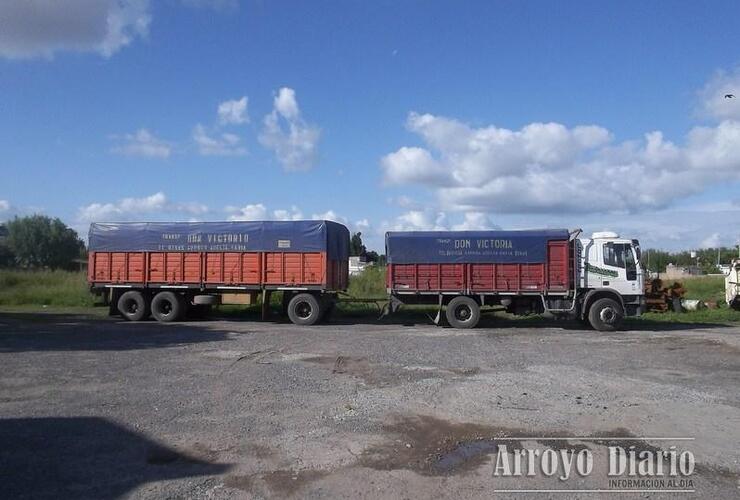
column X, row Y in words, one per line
column 133, row 306
column 463, row 312
column 304, row 309
column 606, row 315
column 168, row 307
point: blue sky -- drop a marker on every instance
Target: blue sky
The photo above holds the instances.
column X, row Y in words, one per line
column 382, row 115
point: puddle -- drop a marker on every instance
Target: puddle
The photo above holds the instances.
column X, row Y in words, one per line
column 463, row 453
column 435, row 447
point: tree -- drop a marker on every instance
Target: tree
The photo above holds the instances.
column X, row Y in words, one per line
column 356, row 248
column 373, row 256
column 39, row 241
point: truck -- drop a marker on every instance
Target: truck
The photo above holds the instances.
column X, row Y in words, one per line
column 597, row 280
column 732, row 285
column 168, row 269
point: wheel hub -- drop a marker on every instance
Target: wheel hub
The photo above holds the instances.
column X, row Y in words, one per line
column 303, row 310
column 463, row 313
column 608, row 315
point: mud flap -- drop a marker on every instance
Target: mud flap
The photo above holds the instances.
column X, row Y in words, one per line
column 438, row 317
column 393, row 305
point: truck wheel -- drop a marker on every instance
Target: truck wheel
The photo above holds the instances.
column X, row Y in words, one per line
column 462, row 312
column 168, row 307
column 133, row 306
column 605, row 315
column 304, row 309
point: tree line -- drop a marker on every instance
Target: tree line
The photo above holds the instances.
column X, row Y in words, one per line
column 39, row 242
column 705, row 259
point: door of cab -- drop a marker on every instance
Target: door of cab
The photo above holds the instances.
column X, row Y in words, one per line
column 619, row 268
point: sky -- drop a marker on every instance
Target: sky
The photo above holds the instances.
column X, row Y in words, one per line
column 397, row 115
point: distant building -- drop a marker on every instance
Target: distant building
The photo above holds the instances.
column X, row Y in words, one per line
column 358, row 264
column 678, row 272
column 724, row 268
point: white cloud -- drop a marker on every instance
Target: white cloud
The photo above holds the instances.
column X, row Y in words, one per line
column 233, row 112
column 548, row 166
column 410, row 165
column 258, row 211
column 418, row 220
column 4, row 206
column 475, row 221
column 143, row 143
column 296, row 146
column 132, row 208
column 40, row 28
column 712, row 97
column 255, row 211
column 219, row 145
column 293, row 214
column 330, row 215
column 714, row 240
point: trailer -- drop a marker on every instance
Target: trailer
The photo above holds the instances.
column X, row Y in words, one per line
column 167, row 269
column 597, row 280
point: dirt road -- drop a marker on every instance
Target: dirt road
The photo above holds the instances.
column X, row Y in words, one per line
column 99, row 408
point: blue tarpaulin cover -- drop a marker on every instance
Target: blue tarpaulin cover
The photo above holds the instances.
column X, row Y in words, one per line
column 441, row 247
column 251, row 236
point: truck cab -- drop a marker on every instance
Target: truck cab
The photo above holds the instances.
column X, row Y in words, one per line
column 610, row 279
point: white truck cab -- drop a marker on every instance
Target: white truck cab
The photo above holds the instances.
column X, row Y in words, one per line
column 610, row 279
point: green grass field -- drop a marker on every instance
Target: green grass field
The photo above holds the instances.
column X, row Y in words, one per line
column 44, row 288
column 62, row 290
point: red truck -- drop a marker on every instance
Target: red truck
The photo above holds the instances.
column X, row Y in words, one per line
column 597, row 280
column 166, row 269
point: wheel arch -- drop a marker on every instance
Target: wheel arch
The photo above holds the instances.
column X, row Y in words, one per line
column 600, row 293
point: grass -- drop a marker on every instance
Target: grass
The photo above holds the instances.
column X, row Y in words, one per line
column 44, row 288
column 369, row 284
column 703, row 288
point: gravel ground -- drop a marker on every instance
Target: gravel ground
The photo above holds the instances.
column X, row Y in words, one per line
column 99, row 408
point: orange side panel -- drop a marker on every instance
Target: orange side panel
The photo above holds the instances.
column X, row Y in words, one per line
column 294, row 269
column 156, row 270
column 135, row 269
column 173, row 264
column 214, row 268
column 118, row 267
column 274, row 268
column 251, row 274
column 100, row 266
column 192, row 268
column 230, row 268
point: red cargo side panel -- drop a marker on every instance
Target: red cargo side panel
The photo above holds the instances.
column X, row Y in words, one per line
column 427, row 277
column 557, row 265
